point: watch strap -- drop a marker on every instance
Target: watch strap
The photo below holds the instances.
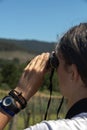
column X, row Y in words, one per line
column 11, row 113
column 19, row 98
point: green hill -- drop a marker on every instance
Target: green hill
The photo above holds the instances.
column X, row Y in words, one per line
column 23, row 49
column 32, row 46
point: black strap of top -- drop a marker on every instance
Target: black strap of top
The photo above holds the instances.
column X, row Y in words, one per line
column 77, row 108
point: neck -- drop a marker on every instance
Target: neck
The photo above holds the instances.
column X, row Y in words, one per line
column 78, row 95
column 73, row 111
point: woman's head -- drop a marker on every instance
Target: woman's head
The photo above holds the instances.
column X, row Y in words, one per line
column 73, row 46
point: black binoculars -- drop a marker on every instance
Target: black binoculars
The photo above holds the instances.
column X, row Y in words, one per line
column 53, row 61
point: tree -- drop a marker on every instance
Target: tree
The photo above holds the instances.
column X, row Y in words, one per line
column 10, row 73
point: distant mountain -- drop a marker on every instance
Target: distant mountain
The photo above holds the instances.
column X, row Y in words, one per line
column 31, row 46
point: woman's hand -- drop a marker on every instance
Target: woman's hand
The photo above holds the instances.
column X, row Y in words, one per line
column 33, row 76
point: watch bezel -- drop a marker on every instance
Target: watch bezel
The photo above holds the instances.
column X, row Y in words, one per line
column 8, row 98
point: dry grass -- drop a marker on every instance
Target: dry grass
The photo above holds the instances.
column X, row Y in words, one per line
column 21, row 55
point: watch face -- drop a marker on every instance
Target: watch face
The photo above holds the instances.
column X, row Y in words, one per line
column 7, row 101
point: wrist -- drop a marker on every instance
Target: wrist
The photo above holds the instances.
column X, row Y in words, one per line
column 13, row 103
column 19, row 90
column 20, row 100
column 25, row 93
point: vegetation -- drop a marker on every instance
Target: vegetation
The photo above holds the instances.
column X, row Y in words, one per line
column 11, row 70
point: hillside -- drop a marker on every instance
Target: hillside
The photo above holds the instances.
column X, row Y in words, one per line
column 21, row 55
column 31, row 46
column 23, row 49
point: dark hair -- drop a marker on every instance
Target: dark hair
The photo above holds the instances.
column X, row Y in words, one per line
column 73, row 46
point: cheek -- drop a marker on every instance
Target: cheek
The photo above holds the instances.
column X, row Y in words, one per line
column 62, row 78
column 61, row 75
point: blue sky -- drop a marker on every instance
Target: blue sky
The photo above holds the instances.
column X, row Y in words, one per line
column 40, row 19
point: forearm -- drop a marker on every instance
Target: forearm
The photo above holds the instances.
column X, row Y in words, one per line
column 4, row 119
column 5, row 116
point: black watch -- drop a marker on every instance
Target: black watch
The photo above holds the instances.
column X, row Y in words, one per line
column 8, row 105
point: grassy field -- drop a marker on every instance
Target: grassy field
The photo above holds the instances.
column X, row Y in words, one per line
column 21, row 55
column 36, row 108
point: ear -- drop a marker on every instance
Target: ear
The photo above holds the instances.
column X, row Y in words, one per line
column 74, row 75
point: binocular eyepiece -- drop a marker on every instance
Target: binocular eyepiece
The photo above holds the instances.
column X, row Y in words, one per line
column 53, row 61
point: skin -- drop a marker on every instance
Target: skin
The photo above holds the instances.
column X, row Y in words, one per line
column 71, row 85
column 70, row 82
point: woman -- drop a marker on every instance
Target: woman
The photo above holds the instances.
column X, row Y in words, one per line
column 72, row 75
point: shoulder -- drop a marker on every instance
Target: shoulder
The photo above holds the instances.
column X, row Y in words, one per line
column 78, row 122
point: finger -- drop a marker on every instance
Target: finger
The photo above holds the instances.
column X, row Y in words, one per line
column 42, row 61
column 32, row 62
column 39, row 62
